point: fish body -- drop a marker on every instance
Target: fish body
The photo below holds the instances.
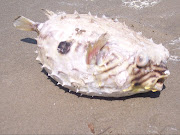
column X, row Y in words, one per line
column 97, row 56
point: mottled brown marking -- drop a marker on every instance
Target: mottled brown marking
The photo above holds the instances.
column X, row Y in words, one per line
column 60, row 72
column 47, row 57
column 109, row 69
column 82, row 31
column 143, row 78
column 129, row 65
column 161, row 72
column 77, row 47
column 85, row 48
column 136, row 71
column 162, row 65
column 114, row 55
column 111, row 75
column 139, row 76
column 160, row 68
column 143, row 81
column 75, row 69
column 110, row 61
column 143, row 74
column 63, row 17
column 79, row 31
column 102, row 55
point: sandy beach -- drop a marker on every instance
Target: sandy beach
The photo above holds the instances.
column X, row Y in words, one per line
column 32, row 103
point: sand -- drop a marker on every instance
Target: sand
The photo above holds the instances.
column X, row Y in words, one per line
column 31, row 103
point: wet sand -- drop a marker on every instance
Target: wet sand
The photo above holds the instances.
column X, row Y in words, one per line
column 31, row 103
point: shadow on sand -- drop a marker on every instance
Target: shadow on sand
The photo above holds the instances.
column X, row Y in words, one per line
column 29, row 40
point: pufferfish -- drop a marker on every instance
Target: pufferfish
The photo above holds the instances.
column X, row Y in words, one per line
column 97, row 56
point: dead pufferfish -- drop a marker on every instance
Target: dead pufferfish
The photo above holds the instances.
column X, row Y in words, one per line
column 97, row 56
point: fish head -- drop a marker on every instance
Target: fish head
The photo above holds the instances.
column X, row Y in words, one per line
column 146, row 75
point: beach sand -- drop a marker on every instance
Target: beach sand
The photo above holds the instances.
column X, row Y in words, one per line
column 31, row 103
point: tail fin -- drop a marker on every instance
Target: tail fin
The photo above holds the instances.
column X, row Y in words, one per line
column 23, row 23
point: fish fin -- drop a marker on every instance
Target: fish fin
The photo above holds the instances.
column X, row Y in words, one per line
column 48, row 13
column 23, row 23
column 94, row 50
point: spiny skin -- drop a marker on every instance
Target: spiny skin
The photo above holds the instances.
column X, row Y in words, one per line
column 99, row 56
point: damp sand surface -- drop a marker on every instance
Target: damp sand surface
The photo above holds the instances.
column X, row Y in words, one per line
column 31, row 103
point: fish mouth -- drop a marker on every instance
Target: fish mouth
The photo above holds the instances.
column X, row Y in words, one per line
column 149, row 78
column 159, row 85
column 160, row 82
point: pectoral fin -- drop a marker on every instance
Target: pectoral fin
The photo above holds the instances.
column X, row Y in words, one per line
column 94, row 50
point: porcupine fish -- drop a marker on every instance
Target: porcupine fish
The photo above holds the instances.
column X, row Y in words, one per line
column 97, row 56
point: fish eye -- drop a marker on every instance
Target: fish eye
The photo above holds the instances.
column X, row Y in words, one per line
column 64, row 47
column 142, row 59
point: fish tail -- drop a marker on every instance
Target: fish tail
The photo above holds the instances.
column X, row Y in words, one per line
column 25, row 24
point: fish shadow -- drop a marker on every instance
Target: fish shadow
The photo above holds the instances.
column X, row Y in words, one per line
column 140, row 95
column 29, row 40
